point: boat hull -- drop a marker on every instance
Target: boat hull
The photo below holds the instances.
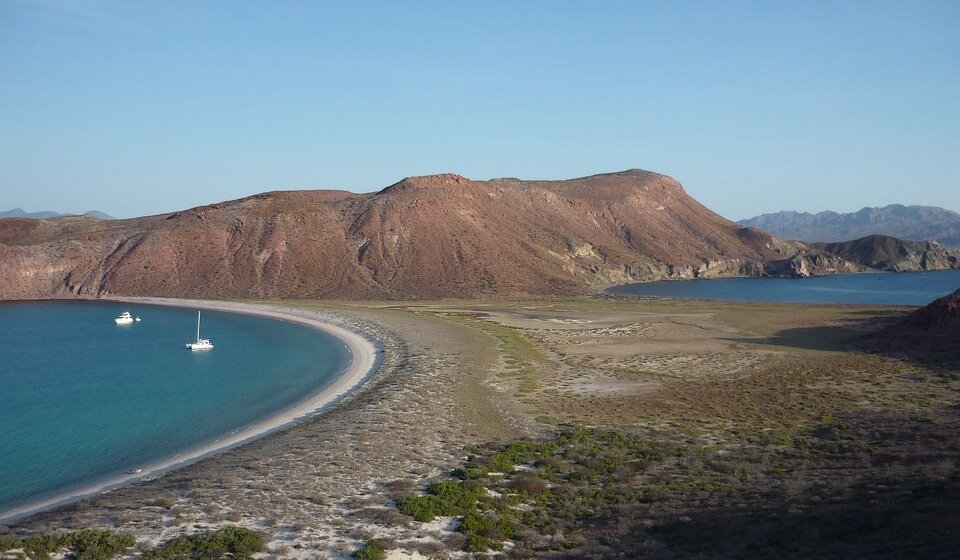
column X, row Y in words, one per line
column 201, row 345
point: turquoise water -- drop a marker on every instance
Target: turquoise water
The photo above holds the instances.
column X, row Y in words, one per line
column 85, row 399
column 904, row 288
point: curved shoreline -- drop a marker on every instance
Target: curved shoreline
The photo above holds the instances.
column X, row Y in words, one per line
column 364, row 360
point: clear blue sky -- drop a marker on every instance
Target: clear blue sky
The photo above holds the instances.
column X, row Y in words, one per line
column 138, row 108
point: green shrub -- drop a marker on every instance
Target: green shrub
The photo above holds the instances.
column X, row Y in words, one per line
column 446, row 498
column 421, row 508
column 471, row 472
column 491, row 527
column 372, row 550
column 9, row 543
column 89, row 544
column 237, row 541
column 457, row 497
column 41, row 546
column 100, row 545
column 476, row 543
column 501, row 463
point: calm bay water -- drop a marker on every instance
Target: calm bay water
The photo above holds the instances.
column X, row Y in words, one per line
column 905, row 288
column 85, row 399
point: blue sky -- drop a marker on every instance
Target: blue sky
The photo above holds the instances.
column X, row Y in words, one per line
column 139, row 108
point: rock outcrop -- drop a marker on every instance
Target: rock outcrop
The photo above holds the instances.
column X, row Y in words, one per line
column 881, row 252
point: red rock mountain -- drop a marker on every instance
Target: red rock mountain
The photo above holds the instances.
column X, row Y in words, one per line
column 433, row 236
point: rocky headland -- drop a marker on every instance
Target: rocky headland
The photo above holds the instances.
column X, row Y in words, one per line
column 882, row 252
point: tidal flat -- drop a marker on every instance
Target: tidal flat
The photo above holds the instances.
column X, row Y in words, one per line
column 588, row 427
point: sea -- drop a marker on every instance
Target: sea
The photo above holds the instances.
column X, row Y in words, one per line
column 902, row 288
column 84, row 400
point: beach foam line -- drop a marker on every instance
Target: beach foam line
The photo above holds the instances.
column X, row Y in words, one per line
column 364, row 360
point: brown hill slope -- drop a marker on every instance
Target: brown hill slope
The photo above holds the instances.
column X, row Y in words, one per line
column 883, row 252
column 931, row 333
column 433, row 236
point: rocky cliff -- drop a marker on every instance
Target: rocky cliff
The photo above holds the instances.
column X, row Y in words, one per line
column 882, row 252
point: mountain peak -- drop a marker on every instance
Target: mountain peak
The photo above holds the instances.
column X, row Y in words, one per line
column 438, row 181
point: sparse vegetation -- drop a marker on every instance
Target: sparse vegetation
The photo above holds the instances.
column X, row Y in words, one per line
column 588, row 490
column 90, row 544
column 237, row 542
column 372, row 550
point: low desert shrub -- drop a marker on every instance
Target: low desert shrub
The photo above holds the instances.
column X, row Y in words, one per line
column 446, row 498
column 99, row 545
column 528, row 484
column 9, row 543
column 239, row 542
column 42, row 546
column 487, row 525
column 90, row 544
column 476, row 543
column 372, row 550
column 421, row 508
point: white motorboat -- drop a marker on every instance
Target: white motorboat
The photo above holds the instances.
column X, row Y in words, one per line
column 124, row 318
column 201, row 343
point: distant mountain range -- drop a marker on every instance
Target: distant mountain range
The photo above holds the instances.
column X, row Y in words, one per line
column 917, row 223
column 21, row 213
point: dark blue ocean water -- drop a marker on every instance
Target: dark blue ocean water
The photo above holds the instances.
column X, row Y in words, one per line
column 82, row 398
column 905, row 288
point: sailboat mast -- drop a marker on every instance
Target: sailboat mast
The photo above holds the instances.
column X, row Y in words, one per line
column 198, row 325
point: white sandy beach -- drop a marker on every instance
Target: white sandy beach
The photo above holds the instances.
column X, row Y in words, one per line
column 361, row 364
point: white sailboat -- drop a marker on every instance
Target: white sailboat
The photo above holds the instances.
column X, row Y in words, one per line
column 124, row 318
column 201, row 343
